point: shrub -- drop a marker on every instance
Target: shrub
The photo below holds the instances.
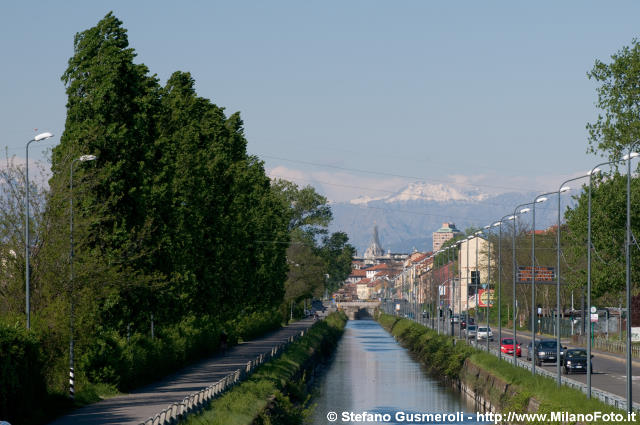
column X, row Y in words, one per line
column 22, row 384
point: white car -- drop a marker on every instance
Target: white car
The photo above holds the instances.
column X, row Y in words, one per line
column 484, row 333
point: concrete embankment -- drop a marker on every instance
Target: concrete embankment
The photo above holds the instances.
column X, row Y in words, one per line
column 493, row 384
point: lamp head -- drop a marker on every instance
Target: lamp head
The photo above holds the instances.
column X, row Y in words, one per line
column 541, row 200
column 488, row 226
column 496, row 224
column 42, row 136
column 564, row 189
column 85, row 158
column 525, row 210
column 594, row 171
column 631, row 155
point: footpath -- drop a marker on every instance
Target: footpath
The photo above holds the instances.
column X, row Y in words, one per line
column 140, row 404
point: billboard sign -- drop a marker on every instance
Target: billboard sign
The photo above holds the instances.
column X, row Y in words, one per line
column 543, row 274
column 485, row 297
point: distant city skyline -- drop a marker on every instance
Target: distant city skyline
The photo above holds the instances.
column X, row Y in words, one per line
column 355, row 98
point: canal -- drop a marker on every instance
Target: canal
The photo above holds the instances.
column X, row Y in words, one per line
column 370, row 372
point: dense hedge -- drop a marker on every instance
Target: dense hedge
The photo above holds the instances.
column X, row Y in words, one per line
column 22, row 384
column 439, row 352
column 112, row 359
column 129, row 363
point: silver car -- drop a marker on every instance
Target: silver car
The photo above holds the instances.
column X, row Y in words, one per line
column 485, row 333
column 471, row 330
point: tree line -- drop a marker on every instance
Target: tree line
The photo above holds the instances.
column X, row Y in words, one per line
column 176, row 228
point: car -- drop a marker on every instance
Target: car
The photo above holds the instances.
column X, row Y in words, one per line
column 455, row 318
column 485, row 333
column 545, row 351
column 463, row 323
column 470, row 331
column 506, row 346
column 575, row 360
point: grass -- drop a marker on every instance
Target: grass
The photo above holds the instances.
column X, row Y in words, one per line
column 278, row 383
column 439, row 354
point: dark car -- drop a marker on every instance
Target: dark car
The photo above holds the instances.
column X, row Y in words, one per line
column 575, row 360
column 463, row 323
column 546, row 351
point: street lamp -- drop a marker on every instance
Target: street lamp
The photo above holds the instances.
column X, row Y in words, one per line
column 515, row 216
column 538, row 200
column 83, row 158
column 466, row 298
column 628, row 157
column 488, row 288
column 593, row 171
column 39, row 137
column 477, row 236
column 499, row 225
column 563, row 188
column 459, row 251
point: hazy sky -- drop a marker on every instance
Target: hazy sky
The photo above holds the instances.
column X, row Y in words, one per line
column 354, row 97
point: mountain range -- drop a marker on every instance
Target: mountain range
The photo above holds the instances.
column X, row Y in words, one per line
column 407, row 219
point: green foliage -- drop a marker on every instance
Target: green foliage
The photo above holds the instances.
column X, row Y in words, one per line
column 608, row 223
column 337, row 254
column 246, row 403
column 445, row 359
column 436, row 351
column 21, row 378
column 619, row 99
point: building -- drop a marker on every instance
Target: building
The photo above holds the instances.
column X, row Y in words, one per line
column 443, row 234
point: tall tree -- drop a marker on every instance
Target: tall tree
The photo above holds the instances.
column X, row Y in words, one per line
column 619, row 99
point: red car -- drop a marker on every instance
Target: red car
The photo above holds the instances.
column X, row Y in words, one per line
column 506, row 346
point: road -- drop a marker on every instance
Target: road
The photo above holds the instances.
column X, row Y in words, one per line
column 134, row 408
column 609, row 369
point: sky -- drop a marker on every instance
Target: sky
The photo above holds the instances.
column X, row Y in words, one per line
column 353, row 97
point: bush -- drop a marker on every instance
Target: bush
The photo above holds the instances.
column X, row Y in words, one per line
column 111, row 359
column 22, row 383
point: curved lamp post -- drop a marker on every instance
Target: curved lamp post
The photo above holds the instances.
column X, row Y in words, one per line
column 459, row 245
column 538, row 200
column 83, row 158
column 517, row 211
column 475, row 313
column 499, row 225
column 593, row 171
column 563, row 188
column 488, row 288
column 628, row 157
column 39, row 137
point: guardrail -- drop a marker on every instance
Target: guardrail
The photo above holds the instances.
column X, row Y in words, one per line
column 604, row 396
column 197, row 401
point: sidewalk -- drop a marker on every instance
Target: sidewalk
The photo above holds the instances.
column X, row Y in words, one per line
column 140, row 404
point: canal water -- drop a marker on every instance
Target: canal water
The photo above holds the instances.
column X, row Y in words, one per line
column 370, row 372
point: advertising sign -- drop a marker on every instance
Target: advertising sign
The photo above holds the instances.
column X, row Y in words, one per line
column 635, row 334
column 543, row 274
column 485, row 297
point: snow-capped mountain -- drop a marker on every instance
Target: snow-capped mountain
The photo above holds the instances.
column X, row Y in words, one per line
column 407, row 219
column 420, row 191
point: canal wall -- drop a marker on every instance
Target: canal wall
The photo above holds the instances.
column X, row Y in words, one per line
column 277, row 391
column 493, row 385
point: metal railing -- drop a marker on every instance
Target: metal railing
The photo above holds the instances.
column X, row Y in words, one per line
column 199, row 400
column 604, row 396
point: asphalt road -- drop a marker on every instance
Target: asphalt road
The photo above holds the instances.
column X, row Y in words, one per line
column 142, row 403
column 609, row 369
